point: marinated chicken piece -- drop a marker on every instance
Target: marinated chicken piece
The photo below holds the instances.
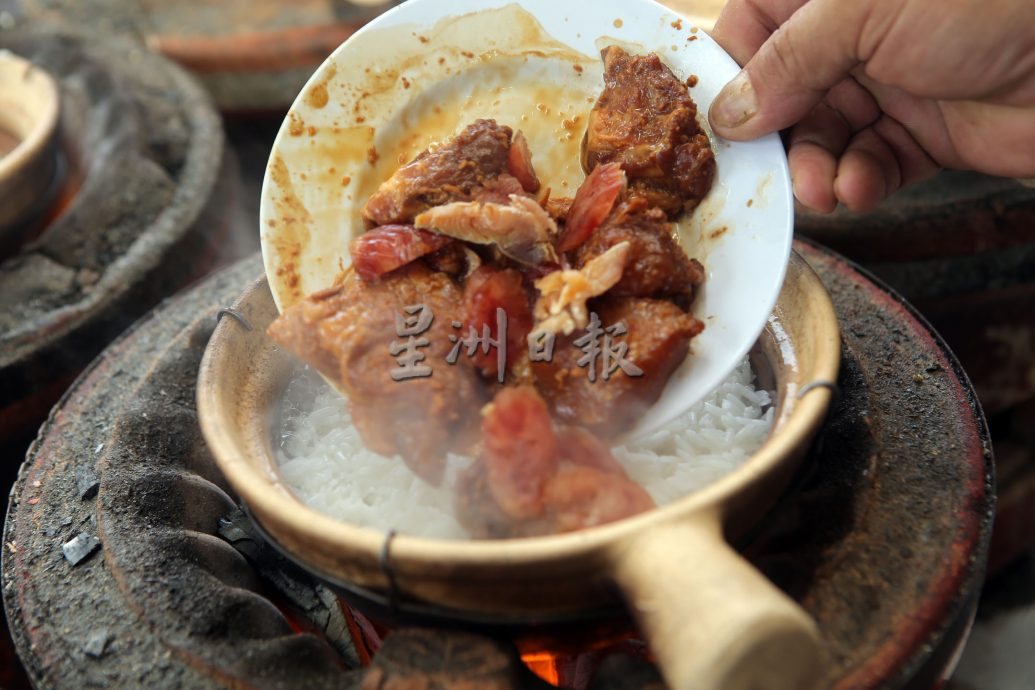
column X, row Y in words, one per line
column 384, row 249
column 346, row 333
column 519, row 163
column 656, row 265
column 646, row 121
column 533, row 479
column 592, row 204
column 499, row 189
column 558, row 207
column 561, row 307
column 658, row 336
column 451, row 171
column 521, row 229
column 488, row 289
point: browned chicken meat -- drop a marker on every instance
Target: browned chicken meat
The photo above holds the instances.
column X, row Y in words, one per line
column 646, row 121
column 658, row 338
column 452, row 171
column 655, row 266
column 346, row 331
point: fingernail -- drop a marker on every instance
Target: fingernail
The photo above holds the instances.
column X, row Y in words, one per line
column 736, row 103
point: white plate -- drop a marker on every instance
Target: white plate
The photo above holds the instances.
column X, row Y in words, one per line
column 422, row 71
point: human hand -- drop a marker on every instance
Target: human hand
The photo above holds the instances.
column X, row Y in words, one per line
column 881, row 93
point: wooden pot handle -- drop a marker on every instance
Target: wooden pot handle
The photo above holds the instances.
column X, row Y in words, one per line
column 711, row 619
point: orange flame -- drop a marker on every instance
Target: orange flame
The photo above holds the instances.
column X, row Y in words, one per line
column 544, row 665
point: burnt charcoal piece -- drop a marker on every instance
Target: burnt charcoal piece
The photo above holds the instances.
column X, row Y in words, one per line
column 86, row 482
column 80, row 548
column 244, row 541
column 623, row 672
column 646, row 121
column 97, row 643
column 424, row 659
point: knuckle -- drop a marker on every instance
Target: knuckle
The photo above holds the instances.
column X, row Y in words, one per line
column 786, row 58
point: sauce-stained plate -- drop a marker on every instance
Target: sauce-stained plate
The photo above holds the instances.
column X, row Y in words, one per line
column 421, row 72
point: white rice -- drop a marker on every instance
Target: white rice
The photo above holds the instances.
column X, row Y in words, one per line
column 323, row 460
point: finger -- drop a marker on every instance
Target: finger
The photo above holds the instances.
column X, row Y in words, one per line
column 854, row 103
column 792, row 71
column 990, row 138
column 817, row 142
column 878, row 161
column 744, row 25
column 813, row 169
column 867, row 173
column 922, row 118
column 814, row 146
column 914, row 162
column 741, row 30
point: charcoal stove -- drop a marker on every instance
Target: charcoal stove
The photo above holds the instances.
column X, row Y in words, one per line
column 140, row 214
column 961, row 247
column 152, row 580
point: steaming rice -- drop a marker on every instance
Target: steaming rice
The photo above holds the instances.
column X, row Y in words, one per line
column 323, row 460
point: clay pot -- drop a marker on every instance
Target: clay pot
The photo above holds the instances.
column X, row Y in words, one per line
column 29, row 108
column 671, row 564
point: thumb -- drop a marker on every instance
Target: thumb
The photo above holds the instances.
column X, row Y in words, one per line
column 792, row 71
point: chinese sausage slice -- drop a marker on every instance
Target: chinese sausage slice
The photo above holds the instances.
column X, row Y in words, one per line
column 534, row 478
column 646, row 121
column 386, row 248
column 346, row 331
column 489, row 290
column 593, row 202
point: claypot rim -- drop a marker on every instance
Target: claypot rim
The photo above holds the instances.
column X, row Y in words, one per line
column 33, row 143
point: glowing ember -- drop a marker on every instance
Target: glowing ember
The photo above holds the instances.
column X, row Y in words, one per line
column 544, row 665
